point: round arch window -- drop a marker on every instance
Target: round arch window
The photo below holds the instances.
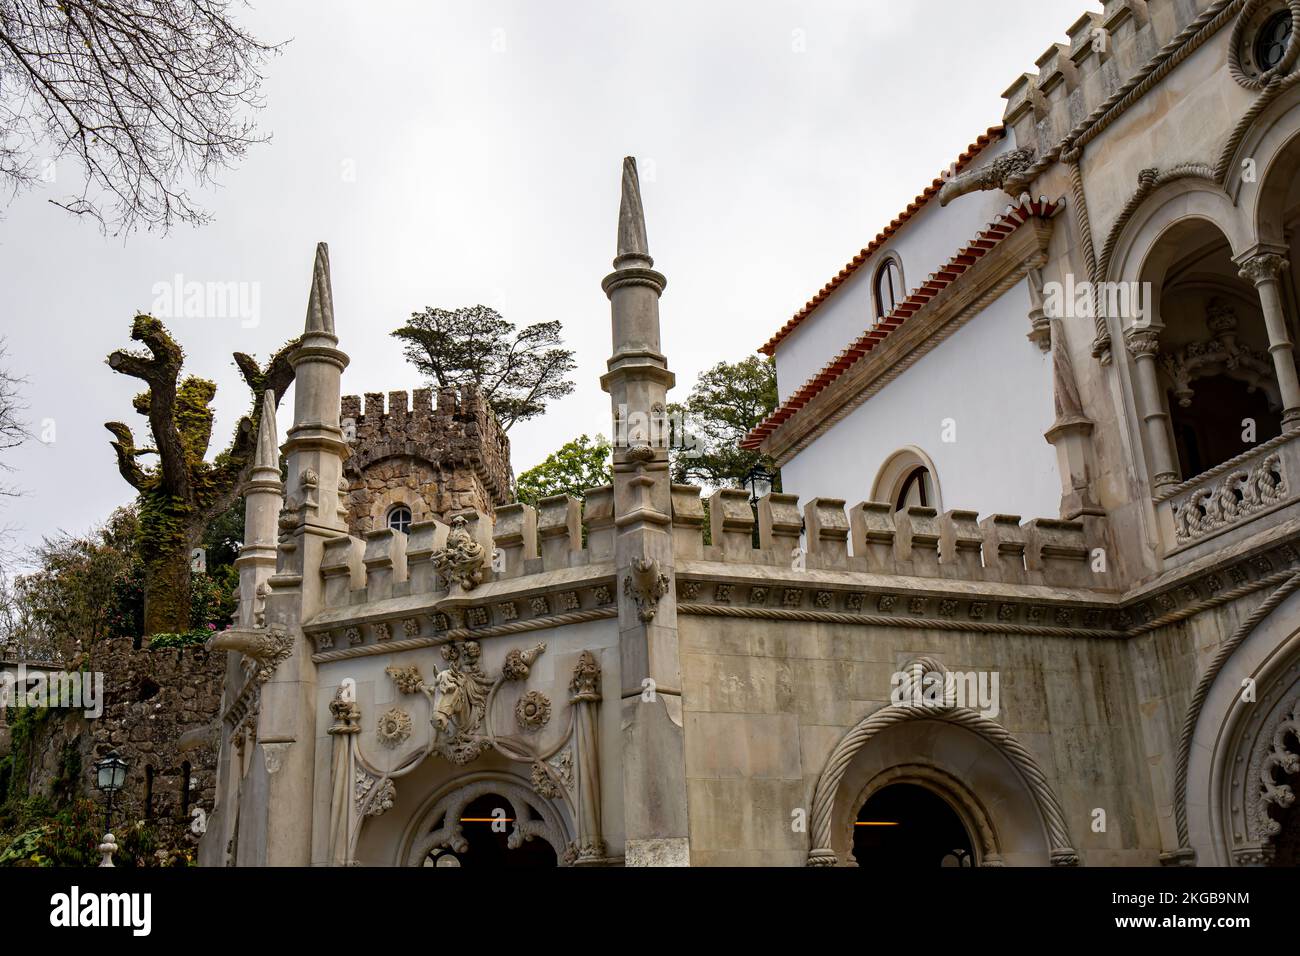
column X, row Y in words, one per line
column 399, row 518
column 916, row 491
column 1272, row 40
column 889, row 287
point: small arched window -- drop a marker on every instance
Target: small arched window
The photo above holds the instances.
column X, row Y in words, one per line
column 889, row 289
column 399, row 518
column 908, row 479
column 916, row 491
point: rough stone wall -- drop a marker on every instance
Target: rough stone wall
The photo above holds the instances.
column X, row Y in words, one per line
column 436, row 460
column 152, row 698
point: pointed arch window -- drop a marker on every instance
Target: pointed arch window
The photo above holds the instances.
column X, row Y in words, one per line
column 888, row 287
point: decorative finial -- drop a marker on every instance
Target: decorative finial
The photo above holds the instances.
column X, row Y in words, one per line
column 631, row 217
column 268, row 450
column 320, row 306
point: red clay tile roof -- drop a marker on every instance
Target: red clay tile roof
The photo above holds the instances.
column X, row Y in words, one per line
column 992, row 234
column 993, row 135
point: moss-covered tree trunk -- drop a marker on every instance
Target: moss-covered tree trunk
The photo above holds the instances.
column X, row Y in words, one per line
column 183, row 493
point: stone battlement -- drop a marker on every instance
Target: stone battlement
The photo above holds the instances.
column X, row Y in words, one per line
column 433, row 451
column 1104, row 51
column 379, row 587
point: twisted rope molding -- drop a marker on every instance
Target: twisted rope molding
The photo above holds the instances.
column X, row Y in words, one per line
column 1226, row 649
column 828, row 784
column 469, row 633
column 1206, row 604
column 883, row 620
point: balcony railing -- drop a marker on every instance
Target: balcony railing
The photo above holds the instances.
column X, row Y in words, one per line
column 1242, row 489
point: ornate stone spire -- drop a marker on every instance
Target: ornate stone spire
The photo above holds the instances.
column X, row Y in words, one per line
column 268, row 448
column 631, row 217
column 320, row 304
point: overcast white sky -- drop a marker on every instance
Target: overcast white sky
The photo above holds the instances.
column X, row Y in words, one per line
column 456, row 153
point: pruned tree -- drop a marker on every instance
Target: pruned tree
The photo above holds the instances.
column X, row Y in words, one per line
column 182, row 493
column 518, row 374
column 145, row 95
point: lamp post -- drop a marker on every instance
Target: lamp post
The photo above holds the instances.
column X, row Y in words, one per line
column 110, row 775
column 759, row 482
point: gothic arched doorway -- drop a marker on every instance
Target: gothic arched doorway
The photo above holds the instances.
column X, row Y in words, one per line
column 905, row 826
column 485, row 824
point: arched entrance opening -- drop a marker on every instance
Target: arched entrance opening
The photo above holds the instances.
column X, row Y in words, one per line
column 906, row 826
column 485, row 824
column 1216, row 373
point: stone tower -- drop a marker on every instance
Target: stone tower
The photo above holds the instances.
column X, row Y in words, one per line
column 433, row 460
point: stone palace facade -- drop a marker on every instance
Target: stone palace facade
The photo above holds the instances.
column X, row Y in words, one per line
column 1087, row 322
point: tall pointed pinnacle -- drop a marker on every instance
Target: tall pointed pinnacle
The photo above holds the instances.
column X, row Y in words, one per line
column 631, row 216
column 320, row 305
column 268, row 449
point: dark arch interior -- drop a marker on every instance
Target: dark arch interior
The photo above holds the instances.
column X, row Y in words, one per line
column 1210, row 430
column 904, row 826
column 1287, row 841
column 488, row 845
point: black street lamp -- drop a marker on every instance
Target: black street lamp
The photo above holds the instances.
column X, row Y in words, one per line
column 110, row 776
column 759, row 482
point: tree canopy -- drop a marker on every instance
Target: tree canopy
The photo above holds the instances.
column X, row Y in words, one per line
column 726, row 402
column 572, row 469
column 517, row 373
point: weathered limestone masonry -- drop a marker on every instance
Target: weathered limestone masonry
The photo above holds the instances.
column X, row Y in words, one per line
column 647, row 699
column 434, row 460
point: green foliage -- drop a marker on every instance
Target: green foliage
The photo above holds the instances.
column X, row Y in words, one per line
column 73, row 836
column 79, row 592
column 518, row 374
column 24, row 849
column 212, row 600
column 576, row 467
column 727, row 401
column 183, row 639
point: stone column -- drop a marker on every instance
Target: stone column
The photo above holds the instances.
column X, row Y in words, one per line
column 585, row 686
column 281, row 822
column 263, row 499
column 1265, row 270
column 1143, row 344
column 654, row 769
column 342, row 802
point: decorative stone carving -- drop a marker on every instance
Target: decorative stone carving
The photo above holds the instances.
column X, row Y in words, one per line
column 722, row 593
column 1230, row 499
column 407, row 679
column 1219, row 354
column 533, row 710
column 383, row 631
column 1142, row 341
column 353, row 635
column 462, row 560
column 569, row 601
column 383, row 799
column 758, row 595
column 394, row 727
column 792, row 597
column 549, row 778
column 585, row 685
column 263, row 648
column 885, row 603
column 411, row 627
column 1263, row 267
column 1007, row 173
column 1269, row 768
column 602, row 595
column 508, row 610
column 539, row 605
column 476, row 616
column 518, row 662
column 646, row 584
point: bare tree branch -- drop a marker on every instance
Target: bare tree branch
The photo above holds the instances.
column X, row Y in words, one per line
column 147, row 96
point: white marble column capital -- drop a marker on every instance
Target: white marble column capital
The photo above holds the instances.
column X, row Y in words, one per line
column 1265, row 267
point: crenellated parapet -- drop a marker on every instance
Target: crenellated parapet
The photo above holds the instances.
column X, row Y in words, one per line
column 1104, row 53
column 434, row 452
